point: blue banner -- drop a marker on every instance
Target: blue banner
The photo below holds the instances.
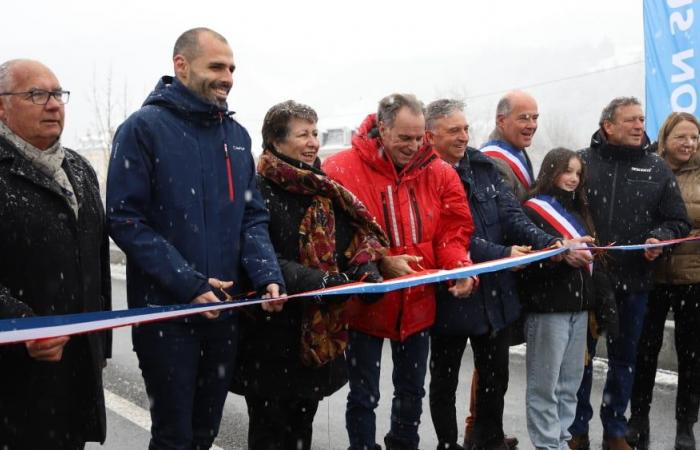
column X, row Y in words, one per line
column 671, row 38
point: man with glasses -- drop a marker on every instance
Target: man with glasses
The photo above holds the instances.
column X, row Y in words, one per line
column 54, row 260
column 183, row 205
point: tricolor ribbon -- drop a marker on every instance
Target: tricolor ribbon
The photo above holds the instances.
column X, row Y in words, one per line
column 44, row 327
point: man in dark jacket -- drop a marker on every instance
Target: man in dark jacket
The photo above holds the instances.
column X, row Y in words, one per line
column 184, row 207
column 633, row 198
column 491, row 308
column 55, row 260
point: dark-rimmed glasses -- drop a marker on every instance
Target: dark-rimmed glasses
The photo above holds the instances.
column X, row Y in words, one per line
column 41, row 97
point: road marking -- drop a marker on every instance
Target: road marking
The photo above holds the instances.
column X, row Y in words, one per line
column 131, row 412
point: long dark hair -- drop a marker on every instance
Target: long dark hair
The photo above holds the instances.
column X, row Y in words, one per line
column 555, row 163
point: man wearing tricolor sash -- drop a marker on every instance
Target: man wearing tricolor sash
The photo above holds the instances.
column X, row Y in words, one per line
column 633, row 197
column 516, row 124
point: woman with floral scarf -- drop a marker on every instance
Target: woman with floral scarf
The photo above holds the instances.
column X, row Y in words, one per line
column 324, row 237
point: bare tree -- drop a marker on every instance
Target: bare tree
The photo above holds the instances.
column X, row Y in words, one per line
column 109, row 113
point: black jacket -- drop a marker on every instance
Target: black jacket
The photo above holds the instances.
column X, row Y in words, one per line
column 51, row 263
column 633, row 196
column 269, row 363
column 551, row 287
column 499, row 221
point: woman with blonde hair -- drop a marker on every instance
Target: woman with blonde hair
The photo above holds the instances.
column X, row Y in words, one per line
column 677, row 286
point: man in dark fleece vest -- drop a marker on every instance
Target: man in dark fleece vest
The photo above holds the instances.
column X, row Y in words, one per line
column 633, row 198
column 184, row 207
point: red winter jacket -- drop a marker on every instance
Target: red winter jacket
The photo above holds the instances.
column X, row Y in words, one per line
column 424, row 211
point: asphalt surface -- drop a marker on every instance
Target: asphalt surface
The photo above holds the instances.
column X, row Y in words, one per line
column 128, row 421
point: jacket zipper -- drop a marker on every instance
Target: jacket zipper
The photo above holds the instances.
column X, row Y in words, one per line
column 612, row 196
column 418, row 230
column 229, row 174
column 227, row 160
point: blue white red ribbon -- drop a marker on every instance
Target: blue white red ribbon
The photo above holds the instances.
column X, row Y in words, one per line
column 44, row 327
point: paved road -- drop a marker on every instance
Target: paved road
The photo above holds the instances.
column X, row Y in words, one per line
column 128, row 420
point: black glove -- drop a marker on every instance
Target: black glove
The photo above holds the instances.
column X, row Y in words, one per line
column 368, row 273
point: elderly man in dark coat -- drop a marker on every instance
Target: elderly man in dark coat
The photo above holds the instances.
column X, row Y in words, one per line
column 54, row 260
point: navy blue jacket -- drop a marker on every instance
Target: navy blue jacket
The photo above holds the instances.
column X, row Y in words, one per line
column 632, row 196
column 182, row 200
column 499, row 221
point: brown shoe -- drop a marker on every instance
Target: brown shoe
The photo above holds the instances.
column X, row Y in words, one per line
column 580, row 442
column 615, row 443
column 511, row 441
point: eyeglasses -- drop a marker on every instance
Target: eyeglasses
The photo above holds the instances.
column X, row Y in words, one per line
column 41, row 97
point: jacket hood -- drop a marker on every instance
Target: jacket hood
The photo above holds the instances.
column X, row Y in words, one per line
column 600, row 143
column 369, row 145
column 172, row 94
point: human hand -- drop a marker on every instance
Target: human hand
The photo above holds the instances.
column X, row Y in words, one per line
column 273, row 291
column 50, row 349
column 463, row 287
column 578, row 256
column 397, row 266
column 207, row 297
column 652, row 253
column 519, row 250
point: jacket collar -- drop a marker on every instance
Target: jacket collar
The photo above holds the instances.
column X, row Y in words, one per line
column 599, row 143
column 368, row 143
column 23, row 168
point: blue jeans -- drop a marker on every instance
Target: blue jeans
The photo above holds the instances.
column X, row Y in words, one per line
column 187, row 369
column 410, row 359
column 622, row 356
column 556, row 345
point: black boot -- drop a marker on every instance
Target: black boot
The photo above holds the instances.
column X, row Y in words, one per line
column 638, row 432
column 685, row 439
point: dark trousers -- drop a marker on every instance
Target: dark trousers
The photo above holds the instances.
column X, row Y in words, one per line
column 685, row 301
column 622, row 357
column 280, row 424
column 410, row 359
column 187, row 369
column 491, row 361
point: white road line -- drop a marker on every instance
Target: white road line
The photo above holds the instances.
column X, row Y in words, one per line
column 131, row 412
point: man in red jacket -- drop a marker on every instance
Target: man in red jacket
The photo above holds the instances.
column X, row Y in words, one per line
column 419, row 201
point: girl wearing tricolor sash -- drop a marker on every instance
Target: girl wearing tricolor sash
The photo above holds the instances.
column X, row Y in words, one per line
column 557, row 298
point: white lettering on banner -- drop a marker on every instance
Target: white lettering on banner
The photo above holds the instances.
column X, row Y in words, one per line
column 684, row 97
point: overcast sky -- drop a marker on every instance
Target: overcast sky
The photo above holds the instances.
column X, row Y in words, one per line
column 341, row 57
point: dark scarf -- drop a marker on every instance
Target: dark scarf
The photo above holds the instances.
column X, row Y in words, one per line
column 317, row 229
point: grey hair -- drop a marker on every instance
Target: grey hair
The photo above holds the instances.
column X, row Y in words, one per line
column 504, row 106
column 390, row 106
column 608, row 113
column 276, row 122
column 6, row 77
column 187, row 44
column 441, row 108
